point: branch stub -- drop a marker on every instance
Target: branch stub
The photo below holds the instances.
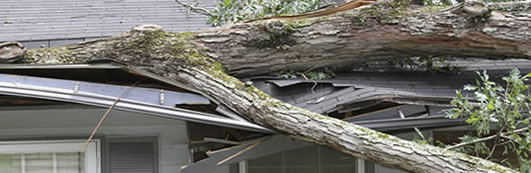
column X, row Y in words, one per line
column 11, row 52
column 475, row 8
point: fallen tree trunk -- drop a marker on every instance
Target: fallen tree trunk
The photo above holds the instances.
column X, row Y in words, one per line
column 379, row 32
column 204, row 59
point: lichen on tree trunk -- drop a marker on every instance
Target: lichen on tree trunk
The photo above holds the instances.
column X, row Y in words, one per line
column 206, row 60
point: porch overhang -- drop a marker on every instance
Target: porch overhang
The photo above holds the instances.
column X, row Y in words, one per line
column 155, row 102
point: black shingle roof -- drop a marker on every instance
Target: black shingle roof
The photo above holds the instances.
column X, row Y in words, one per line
column 384, row 83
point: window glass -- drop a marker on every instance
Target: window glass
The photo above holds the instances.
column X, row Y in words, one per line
column 274, row 160
column 300, row 169
column 332, row 157
column 9, row 164
column 305, row 157
column 338, row 169
column 70, row 162
column 312, row 159
column 37, row 162
column 61, row 156
column 42, row 163
column 266, row 170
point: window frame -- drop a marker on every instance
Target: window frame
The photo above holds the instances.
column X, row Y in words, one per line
column 92, row 153
column 128, row 139
column 243, row 166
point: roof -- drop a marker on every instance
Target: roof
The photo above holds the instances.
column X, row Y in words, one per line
column 52, row 19
column 328, row 96
column 467, row 64
column 383, row 97
column 378, row 95
column 88, row 84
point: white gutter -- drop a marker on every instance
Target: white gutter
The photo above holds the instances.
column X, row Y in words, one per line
column 150, row 101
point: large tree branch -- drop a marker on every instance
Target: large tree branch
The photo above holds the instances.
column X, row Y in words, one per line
column 203, row 59
column 374, row 33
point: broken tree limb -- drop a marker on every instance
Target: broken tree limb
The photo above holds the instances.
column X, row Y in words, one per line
column 194, row 8
column 204, row 60
column 243, row 151
column 483, row 139
column 105, row 116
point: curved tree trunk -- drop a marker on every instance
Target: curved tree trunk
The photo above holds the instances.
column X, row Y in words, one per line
column 204, row 59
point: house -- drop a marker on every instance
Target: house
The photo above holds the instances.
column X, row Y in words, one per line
column 408, row 103
column 49, row 111
column 163, row 126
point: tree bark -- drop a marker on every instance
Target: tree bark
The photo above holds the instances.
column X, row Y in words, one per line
column 385, row 30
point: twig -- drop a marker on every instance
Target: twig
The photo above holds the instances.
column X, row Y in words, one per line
column 105, row 116
column 511, row 140
column 453, row 7
column 419, row 133
column 498, row 136
column 242, row 151
column 491, row 151
column 314, row 82
column 193, row 8
column 483, row 139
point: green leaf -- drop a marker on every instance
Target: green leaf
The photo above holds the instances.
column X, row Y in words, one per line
column 231, row 11
column 469, row 87
column 472, row 120
column 227, row 2
column 490, row 106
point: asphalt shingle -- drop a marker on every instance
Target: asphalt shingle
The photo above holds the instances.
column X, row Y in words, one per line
column 32, row 20
column 352, row 87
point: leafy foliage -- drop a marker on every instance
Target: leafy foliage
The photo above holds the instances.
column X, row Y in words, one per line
column 500, row 113
column 317, row 74
column 450, row 2
column 231, row 11
column 501, row 0
column 495, row 110
column 438, row 2
column 427, row 63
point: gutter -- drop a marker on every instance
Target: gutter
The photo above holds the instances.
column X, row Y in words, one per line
column 150, row 101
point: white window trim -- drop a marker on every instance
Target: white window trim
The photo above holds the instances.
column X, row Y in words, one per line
column 92, row 153
column 242, row 166
column 360, row 167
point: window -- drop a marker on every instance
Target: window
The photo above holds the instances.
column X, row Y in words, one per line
column 49, row 157
column 132, row 154
column 312, row 159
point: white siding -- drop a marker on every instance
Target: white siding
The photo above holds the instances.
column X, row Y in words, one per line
column 74, row 123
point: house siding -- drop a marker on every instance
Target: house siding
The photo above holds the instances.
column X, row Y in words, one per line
column 78, row 123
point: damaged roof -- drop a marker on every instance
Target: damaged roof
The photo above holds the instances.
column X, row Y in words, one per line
column 102, row 85
column 384, row 91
